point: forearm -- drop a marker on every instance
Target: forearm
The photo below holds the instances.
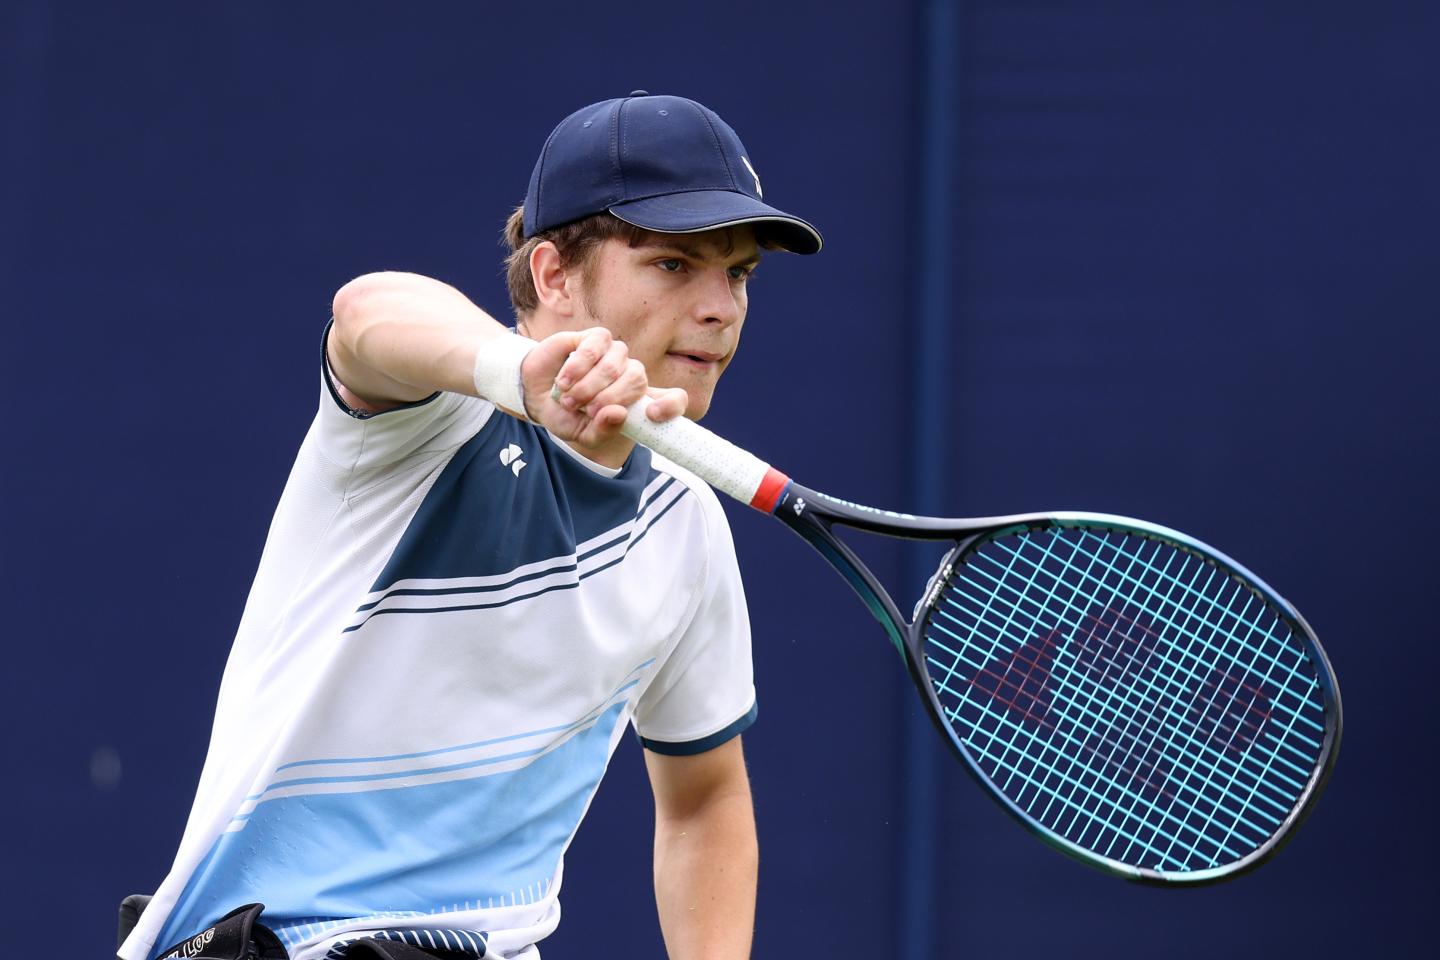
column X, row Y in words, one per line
column 400, row 337
column 705, row 875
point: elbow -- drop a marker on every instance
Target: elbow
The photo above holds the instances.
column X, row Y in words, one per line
column 357, row 297
column 365, row 300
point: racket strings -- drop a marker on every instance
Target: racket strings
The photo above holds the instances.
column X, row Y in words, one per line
column 1064, row 785
column 1255, row 617
column 1125, row 694
column 1130, row 806
column 1091, row 633
column 1029, row 696
column 1068, row 784
column 1181, row 728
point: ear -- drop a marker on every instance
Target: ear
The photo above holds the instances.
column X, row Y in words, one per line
column 551, row 279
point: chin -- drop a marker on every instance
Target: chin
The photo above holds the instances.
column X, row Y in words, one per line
column 697, row 407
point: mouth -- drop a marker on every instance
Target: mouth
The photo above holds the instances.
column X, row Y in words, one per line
column 698, row 358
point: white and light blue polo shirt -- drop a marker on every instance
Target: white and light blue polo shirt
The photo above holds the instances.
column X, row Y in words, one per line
column 453, row 621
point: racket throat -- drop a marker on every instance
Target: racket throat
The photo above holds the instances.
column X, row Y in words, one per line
column 791, row 510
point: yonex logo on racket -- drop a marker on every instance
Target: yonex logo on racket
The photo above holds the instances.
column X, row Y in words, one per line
column 510, row 457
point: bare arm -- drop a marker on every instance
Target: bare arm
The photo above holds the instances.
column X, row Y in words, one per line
column 399, row 337
column 706, row 853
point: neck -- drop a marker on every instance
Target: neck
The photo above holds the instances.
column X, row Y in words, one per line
column 612, row 454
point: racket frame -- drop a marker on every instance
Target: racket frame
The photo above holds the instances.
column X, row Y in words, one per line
column 813, row 515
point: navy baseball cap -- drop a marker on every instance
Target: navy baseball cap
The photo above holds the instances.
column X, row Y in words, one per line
column 663, row 163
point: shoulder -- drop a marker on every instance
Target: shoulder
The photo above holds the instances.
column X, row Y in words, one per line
column 717, row 525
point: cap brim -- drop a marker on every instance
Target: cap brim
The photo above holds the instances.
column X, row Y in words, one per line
column 702, row 210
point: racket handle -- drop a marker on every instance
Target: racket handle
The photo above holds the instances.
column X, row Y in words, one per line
column 712, row 458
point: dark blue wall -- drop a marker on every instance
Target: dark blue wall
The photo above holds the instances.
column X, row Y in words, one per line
column 1190, row 274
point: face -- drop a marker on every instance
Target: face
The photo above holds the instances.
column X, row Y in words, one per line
column 677, row 300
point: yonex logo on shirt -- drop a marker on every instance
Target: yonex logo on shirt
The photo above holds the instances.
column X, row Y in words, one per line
column 510, row 457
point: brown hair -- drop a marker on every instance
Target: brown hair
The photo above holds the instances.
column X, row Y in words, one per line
column 576, row 242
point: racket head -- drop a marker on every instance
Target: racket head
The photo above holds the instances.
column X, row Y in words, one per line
column 1133, row 697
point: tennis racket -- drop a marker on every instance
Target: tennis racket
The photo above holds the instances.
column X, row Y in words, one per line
column 1131, row 696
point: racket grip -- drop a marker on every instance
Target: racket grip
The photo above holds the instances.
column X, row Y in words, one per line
column 712, row 458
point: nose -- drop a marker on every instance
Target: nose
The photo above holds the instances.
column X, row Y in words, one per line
column 719, row 299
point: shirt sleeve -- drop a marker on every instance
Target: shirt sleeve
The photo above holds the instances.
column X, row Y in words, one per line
column 359, row 448
column 704, row 694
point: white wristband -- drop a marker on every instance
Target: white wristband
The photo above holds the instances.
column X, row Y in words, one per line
column 497, row 371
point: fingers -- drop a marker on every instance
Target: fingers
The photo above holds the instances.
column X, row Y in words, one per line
column 591, row 349
column 590, row 369
column 606, row 411
column 603, row 427
column 666, row 404
column 563, row 355
column 560, row 361
column 594, row 382
column 613, row 379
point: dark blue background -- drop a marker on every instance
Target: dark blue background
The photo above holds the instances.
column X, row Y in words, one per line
column 1189, row 274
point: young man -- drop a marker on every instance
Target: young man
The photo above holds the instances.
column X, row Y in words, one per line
column 458, row 611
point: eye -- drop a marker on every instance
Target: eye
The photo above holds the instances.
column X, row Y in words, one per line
column 669, row 265
column 742, row 271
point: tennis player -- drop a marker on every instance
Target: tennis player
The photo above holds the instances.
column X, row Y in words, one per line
column 472, row 586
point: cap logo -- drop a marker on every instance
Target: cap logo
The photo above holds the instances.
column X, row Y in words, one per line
column 746, row 160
